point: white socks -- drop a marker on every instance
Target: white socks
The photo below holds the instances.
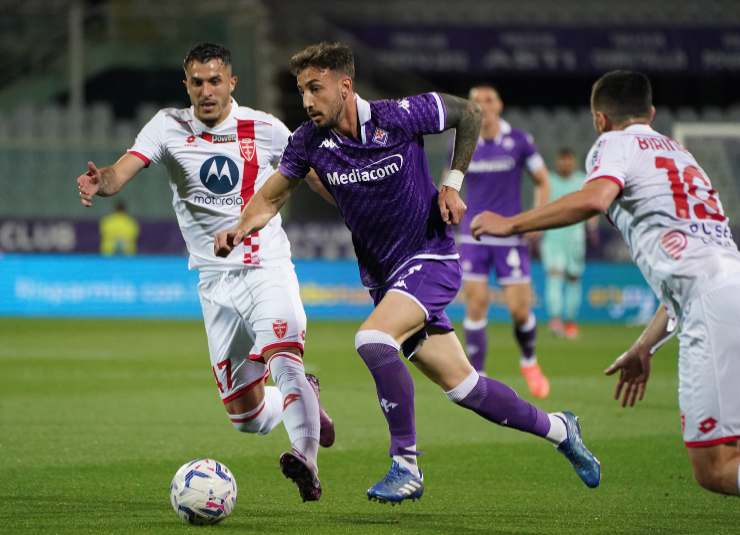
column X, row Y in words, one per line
column 558, row 432
column 300, row 408
column 408, row 461
column 262, row 419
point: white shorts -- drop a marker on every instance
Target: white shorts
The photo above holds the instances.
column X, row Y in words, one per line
column 709, row 367
column 248, row 312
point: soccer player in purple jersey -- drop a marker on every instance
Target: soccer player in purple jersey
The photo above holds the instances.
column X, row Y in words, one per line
column 370, row 157
column 494, row 182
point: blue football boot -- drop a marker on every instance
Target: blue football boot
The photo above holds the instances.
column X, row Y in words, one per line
column 585, row 464
column 398, row 484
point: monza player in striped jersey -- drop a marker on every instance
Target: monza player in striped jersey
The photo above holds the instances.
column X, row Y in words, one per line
column 663, row 203
column 370, row 157
column 217, row 155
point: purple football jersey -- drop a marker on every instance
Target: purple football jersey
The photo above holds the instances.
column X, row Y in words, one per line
column 381, row 182
column 494, row 177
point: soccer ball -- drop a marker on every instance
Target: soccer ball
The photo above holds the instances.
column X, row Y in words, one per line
column 203, row 491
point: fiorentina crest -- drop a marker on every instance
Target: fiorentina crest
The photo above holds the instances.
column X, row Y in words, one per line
column 280, row 327
column 380, row 137
column 247, row 148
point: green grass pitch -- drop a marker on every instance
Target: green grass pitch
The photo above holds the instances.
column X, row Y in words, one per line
column 96, row 416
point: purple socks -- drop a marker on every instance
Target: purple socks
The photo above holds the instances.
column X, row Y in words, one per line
column 500, row 404
column 476, row 342
column 393, row 384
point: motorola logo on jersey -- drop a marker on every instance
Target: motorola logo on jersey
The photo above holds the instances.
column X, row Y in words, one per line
column 219, row 174
column 383, row 168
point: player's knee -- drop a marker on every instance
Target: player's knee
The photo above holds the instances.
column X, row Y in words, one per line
column 520, row 314
column 708, row 476
column 285, row 366
column 475, row 308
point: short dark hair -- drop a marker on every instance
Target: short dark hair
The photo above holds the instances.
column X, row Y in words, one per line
column 325, row 55
column 622, row 95
column 202, row 52
column 484, row 85
column 565, row 151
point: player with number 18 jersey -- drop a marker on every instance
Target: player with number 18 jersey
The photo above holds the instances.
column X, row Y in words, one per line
column 674, row 225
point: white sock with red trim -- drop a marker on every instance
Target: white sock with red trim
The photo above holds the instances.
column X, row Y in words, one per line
column 300, row 406
column 263, row 418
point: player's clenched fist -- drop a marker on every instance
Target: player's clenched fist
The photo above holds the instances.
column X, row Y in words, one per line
column 88, row 184
column 451, row 206
column 490, row 223
column 226, row 240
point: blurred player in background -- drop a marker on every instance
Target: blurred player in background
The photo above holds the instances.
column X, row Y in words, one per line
column 119, row 232
column 664, row 205
column 563, row 252
column 494, row 182
column 370, row 157
column 218, row 154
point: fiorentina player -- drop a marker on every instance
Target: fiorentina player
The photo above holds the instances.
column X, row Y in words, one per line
column 218, row 154
column 494, row 182
column 370, row 157
column 664, row 205
column 564, row 252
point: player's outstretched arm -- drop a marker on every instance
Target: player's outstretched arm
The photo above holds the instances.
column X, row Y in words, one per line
column 464, row 116
column 595, row 198
column 634, row 364
column 541, row 179
column 262, row 207
column 107, row 181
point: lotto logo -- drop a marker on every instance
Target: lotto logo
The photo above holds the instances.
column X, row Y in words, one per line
column 707, row 425
column 290, row 398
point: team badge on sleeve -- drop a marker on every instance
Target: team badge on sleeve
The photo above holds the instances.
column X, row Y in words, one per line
column 247, row 148
column 280, row 327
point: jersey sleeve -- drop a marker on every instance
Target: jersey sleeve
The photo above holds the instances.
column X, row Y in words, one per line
column 294, row 161
column 606, row 160
column 421, row 114
column 530, row 154
column 280, row 136
column 149, row 145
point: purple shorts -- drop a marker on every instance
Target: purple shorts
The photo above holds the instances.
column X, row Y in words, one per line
column 510, row 262
column 432, row 284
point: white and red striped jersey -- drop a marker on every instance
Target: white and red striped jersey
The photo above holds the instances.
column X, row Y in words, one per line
column 667, row 212
column 213, row 173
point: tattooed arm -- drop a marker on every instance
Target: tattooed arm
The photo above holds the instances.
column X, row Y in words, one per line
column 464, row 116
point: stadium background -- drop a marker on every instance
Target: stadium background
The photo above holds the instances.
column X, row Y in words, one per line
column 83, row 77
column 80, row 79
